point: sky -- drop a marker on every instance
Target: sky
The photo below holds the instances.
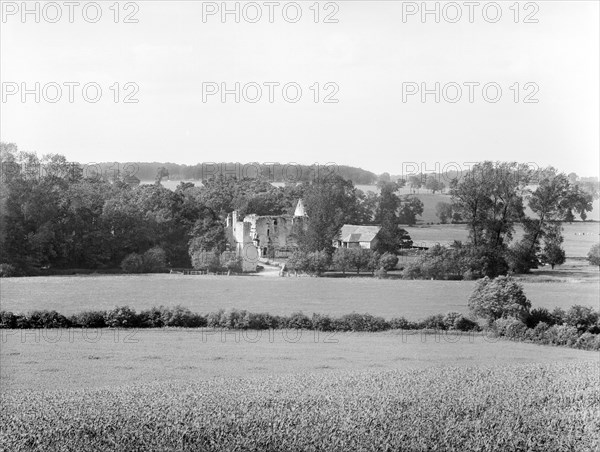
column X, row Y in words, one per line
column 361, row 67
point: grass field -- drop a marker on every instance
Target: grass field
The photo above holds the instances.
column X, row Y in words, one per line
column 76, row 359
column 579, row 237
column 178, row 390
column 336, row 296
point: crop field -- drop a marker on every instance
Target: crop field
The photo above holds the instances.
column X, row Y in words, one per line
column 534, row 406
column 290, row 390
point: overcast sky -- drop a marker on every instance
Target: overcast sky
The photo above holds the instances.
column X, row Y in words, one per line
column 368, row 54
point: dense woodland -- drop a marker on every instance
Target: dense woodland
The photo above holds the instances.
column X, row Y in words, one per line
column 68, row 217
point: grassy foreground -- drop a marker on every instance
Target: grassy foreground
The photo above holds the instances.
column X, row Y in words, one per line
column 534, row 407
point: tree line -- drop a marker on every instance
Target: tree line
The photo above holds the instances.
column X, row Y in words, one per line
column 66, row 217
column 491, row 200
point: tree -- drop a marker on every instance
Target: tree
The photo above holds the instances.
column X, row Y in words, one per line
column 154, row 260
column 318, row 262
column 490, row 199
column 133, row 263
column 388, row 261
column 593, row 255
column 206, row 260
column 553, row 252
column 443, row 210
column 499, row 298
column 410, row 208
column 434, row 183
column 208, row 234
column 360, row 258
column 390, row 235
column 161, row 173
column 384, row 177
column 231, row 262
column 415, row 182
column 330, row 203
column 341, row 259
column 298, row 262
column 551, row 202
column 374, row 262
column 367, row 206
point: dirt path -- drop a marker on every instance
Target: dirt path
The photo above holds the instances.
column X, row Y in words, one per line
column 269, row 271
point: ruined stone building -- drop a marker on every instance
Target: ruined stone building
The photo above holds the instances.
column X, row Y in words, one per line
column 265, row 236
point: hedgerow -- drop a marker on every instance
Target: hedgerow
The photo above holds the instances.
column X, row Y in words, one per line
column 578, row 327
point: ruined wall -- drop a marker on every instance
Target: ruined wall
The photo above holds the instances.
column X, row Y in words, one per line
column 240, row 232
column 273, row 235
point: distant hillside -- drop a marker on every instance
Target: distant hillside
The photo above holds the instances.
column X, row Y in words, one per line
column 273, row 172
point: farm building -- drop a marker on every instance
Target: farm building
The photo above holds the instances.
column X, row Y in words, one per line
column 265, row 236
column 353, row 235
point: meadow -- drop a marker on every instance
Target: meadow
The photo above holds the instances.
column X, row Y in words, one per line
column 335, row 296
column 579, row 236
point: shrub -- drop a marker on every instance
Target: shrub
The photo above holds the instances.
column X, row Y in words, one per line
column 457, row 321
column 434, row 322
column 562, row 335
column 381, row 273
column 373, row 323
column 322, row 322
column 510, row 327
column 121, row 317
column 497, row 298
column 588, row 341
column 538, row 315
column 7, row 271
column 22, row 321
column 539, row 332
column 151, row 318
column 206, row 260
column 400, row 323
column 90, row 319
column 298, row 321
column 359, row 322
column 231, row 262
column 450, row 318
column 463, row 323
column 47, row 319
column 154, row 260
column 261, row 321
column 559, row 314
column 583, row 318
column 8, row 319
column 593, row 255
column 132, row 263
column 178, row 317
